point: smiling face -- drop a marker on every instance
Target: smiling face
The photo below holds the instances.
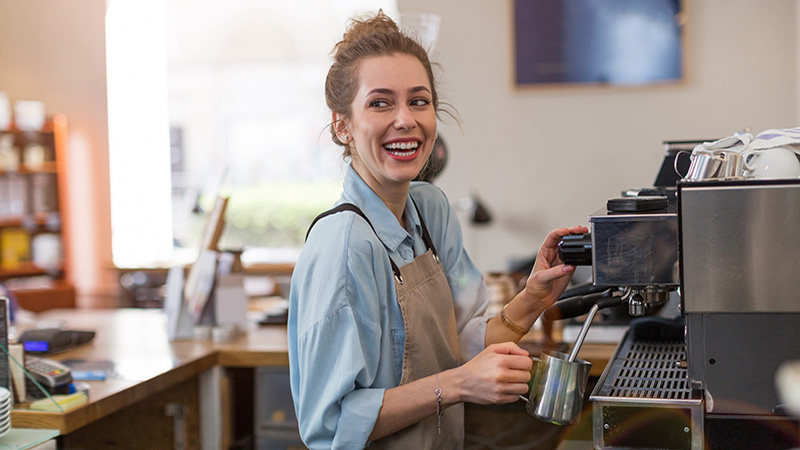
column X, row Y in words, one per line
column 392, row 126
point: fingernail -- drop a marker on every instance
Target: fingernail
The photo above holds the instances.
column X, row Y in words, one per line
column 569, row 268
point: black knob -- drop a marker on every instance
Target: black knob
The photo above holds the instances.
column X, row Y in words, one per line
column 576, row 249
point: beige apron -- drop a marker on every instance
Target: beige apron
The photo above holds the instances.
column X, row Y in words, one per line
column 431, row 343
column 431, row 346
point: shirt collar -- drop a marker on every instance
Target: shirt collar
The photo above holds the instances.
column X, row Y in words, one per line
column 389, row 231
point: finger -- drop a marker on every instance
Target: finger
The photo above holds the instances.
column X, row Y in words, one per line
column 520, row 363
column 553, row 237
column 513, row 377
column 509, row 348
column 546, row 276
column 548, row 252
column 520, row 388
column 578, row 229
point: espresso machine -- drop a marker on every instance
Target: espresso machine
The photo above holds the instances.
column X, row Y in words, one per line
column 730, row 249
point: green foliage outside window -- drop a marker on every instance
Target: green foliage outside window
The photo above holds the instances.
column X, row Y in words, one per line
column 275, row 215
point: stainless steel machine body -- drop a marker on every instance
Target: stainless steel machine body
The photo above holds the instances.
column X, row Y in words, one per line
column 740, row 253
column 740, row 247
column 733, row 247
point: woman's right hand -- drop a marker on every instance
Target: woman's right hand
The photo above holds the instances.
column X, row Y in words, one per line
column 498, row 374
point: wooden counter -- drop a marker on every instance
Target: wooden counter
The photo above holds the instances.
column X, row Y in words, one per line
column 151, row 372
column 147, row 364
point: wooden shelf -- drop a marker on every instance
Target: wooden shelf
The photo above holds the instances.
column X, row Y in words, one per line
column 46, row 219
column 25, row 270
column 24, row 169
column 40, row 193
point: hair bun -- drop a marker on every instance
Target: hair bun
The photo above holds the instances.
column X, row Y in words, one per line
column 367, row 26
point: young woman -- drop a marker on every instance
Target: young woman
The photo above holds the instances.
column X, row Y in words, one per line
column 387, row 332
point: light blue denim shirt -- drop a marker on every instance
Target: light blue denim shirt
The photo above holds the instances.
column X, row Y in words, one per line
column 346, row 333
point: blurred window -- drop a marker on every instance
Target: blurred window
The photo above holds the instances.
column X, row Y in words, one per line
column 246, row 118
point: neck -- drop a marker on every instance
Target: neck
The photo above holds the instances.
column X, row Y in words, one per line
column 393, row 194
column 397, row 204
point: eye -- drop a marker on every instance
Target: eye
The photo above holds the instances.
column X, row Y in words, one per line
column 378, row 103
column 420, row 102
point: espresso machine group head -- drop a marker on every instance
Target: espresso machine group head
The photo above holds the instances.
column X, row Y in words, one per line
column 632, row 246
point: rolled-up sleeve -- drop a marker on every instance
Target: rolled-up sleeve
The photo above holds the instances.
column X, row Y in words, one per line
column 337, row 411
column 339, row 346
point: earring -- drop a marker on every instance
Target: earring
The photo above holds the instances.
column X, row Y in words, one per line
column 344, row 138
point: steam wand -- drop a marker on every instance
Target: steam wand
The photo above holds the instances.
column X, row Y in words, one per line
column 605, row 302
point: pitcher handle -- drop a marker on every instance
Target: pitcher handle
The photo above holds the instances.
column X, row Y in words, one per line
column 675, row 163
column 746, row 159
column 534, row 370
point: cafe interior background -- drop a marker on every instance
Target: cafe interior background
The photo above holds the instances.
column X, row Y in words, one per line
column 170, row 102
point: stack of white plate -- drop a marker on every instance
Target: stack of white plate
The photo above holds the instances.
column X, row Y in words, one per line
column 5, row 411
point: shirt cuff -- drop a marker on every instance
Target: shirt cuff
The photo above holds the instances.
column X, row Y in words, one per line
column 473, row 337
column 358, row 416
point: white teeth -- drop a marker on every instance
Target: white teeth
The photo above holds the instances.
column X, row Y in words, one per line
column 402, row 145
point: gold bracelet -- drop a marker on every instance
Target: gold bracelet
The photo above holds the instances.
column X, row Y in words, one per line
column 511, row 325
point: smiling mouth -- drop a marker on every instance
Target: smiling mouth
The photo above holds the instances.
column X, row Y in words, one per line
column 402, row 150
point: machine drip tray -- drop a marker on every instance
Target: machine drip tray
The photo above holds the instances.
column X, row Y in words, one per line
column 646, row 370
column 644, row 400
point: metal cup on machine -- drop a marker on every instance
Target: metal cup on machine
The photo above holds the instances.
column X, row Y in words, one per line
column 713, row 164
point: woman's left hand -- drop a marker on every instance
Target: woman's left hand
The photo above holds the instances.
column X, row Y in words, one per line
column 550, row 276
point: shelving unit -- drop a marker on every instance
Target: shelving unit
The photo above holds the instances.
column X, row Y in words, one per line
column 34, row 216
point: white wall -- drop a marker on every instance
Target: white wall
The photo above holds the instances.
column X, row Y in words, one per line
column 548, row 158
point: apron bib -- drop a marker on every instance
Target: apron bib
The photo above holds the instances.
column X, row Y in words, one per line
column 431, row 343
column 431, row 346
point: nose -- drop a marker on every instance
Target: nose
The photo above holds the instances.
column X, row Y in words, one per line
column 404, row 118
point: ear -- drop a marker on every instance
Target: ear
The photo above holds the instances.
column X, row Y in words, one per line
column 339, row 124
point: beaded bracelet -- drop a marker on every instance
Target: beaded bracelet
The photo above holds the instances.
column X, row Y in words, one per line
column 511, row 325
column 439, row 412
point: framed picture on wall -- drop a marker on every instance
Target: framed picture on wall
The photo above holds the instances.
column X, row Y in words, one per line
column 598, row 42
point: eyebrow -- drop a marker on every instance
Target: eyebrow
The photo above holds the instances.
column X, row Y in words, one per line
column 390, row 92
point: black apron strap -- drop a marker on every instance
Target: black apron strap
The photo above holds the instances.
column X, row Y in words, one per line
column 353, row 208
column 339, row 208
column 426, row 237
